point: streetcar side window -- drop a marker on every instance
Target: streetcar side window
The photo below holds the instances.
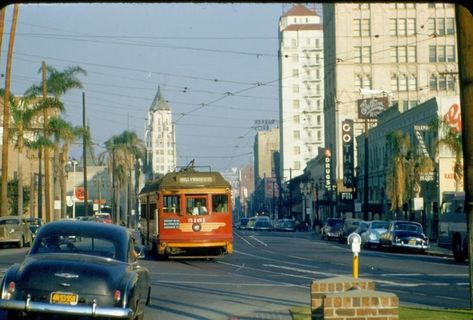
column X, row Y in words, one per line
column 152, row 209
column 171, row 204
column 220, row 203
column 196, row 205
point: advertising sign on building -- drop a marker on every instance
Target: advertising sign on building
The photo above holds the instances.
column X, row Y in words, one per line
column 348, row 153
column 271, row 188
column 328, row 170
column 370, row 108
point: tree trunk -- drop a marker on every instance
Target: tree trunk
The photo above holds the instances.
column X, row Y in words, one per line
column 46, row 159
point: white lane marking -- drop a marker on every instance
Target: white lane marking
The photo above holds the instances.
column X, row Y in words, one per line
column 257, row 240
column 423, row 274
column 301, row 270
column 247, row 242
column 230, row 283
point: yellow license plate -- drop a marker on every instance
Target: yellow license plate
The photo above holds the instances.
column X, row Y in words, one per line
column 64, row 298
column 412, row 242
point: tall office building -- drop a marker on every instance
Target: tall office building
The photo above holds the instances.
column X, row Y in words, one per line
column 301, row 88
column 160, row 136
column 406, row 52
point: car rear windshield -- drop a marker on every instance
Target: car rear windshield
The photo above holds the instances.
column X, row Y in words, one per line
column 76, row 244
column 10, row 221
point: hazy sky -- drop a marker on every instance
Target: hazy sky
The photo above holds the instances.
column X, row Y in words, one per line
column 216, row 64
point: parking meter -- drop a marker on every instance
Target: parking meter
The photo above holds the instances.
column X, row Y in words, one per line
column 354, row 240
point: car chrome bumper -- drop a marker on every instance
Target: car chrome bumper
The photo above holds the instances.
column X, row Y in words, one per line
column 79, row 310
column 410, row 246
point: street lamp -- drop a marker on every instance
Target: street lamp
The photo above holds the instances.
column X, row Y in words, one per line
column 305, row 188
column 73, row 162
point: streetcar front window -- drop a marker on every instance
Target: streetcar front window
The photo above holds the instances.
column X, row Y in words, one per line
column 196, row 205
column 171, row 204
column 220, row 203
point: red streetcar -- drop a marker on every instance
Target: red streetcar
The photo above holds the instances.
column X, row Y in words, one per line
column 188, row 214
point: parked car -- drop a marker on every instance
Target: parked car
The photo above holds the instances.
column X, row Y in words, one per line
column 104, row 217
column 262, row 225
column 349, row 226
column 331, row 228
column 15, row 230
column 406, row 235
column 362, row 227
column 34, row 225
column 370, row 238
column 78, row 268
column 243, row 223
column 286, row 225
column 251, row 223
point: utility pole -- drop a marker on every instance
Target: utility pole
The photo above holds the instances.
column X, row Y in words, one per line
column 6, row 117
column 84, row 156
column 47, row 180
column 366, row 175
column 2, row 22
column 464, row 21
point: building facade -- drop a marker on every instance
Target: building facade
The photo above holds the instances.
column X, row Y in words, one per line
column 406, row 52
column 416, row 124
column 301, row 88
column 160, row 138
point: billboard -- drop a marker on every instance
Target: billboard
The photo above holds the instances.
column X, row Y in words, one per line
column 370, row 108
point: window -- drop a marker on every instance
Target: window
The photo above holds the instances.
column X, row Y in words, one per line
column 402, row 54
column 295, row 104
column 296, row 134
column 171, row 204
column 317, row 43
column 401, row 27
column 361, row 27
column 295, row 57
column 362, row 54
column 220, row 203
column 432, row 54
column 450, row 26
column 196, row 205
column 402, row 79
column 450, row 53
column 411, row 54
column 296, row 119
column 295, row 72
column 319, row 120
column 295, row 88
column 297, row 150
column 412, row 82
column 441, row 26
column 293, row 43
column 433, row 82
column 441, row 54
column 411, row 26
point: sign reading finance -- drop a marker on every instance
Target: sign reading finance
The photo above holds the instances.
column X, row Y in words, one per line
column 372, row 107
column 348, row 153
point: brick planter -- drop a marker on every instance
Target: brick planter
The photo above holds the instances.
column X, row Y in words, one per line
column 348, row 298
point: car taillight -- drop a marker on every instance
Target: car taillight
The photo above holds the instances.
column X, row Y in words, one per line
column 7, row 295
column 117, row 295
column 11, row 287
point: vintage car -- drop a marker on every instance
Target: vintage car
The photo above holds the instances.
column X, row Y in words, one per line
column 370, row 238
column 34, row 225
column 331, row 228
column 15, row 230
column 78, row 268
column 406, row 235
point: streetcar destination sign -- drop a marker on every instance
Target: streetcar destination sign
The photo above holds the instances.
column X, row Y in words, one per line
column 195, row 180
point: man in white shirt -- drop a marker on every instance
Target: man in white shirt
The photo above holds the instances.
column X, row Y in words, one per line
column 199, row 209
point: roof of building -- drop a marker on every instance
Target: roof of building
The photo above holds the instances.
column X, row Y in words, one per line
column 300, row 10
column 159, row 103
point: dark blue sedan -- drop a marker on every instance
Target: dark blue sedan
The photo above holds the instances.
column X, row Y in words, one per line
column 78, row 268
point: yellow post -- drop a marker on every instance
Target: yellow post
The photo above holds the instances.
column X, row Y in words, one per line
column 355, row 265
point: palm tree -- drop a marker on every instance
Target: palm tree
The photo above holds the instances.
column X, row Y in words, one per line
column 24, row 112
column 66, row 133
column 451, row 138
column 396, row 184
column 57, row 83
column 122, row 152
